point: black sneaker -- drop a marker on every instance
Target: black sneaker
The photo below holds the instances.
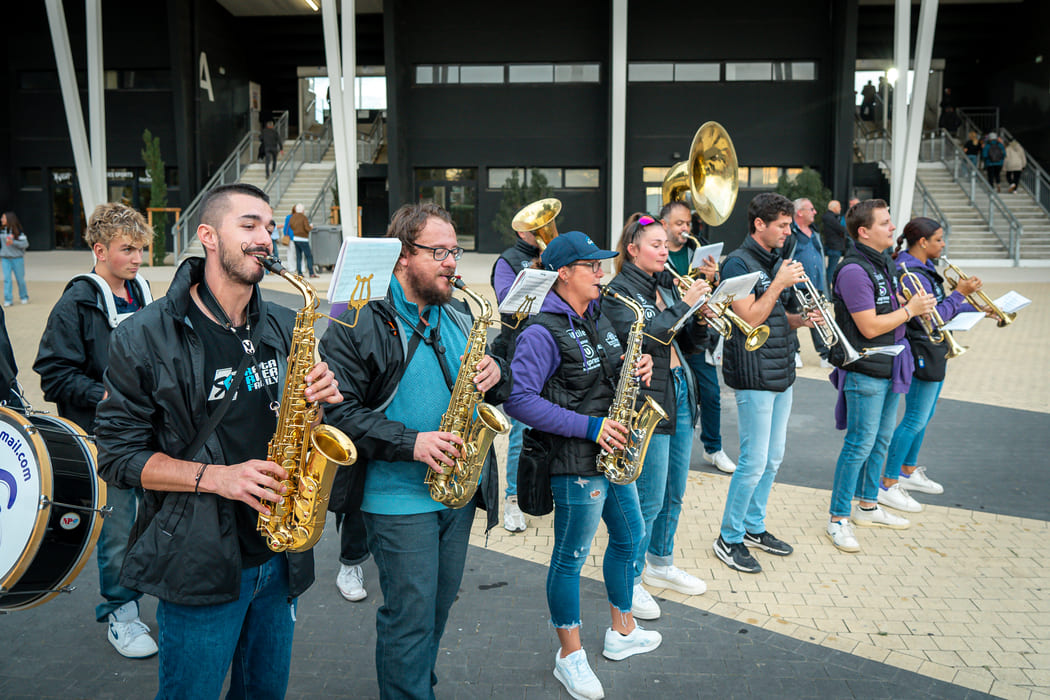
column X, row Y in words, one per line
column 767, row 543
column 736, row 556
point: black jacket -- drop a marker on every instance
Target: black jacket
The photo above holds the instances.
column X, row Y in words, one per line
column 880, row 269
column 834, row 232
column 183, row 547
column 641, row 287
column 74, row 351
column 8, row 368
column 368, row 361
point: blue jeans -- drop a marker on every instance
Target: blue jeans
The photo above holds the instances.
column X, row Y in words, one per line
column 871, row 411
column 16, row 267
column 920, row 403
column 579, row 503
column 302, row 249
column 517, row 430
column 198, row 642
column 420, row 559
column 762, row 418
column 661, row 485
column 833, row 260
column 111, row 548
column 353, row 544
column 710, row 402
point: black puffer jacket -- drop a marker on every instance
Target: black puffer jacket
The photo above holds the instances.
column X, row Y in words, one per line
column 368, row 361
column 74, row 351
column 183, row 547
column 642, row 287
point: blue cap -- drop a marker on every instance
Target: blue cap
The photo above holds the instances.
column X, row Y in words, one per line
column 571, row 247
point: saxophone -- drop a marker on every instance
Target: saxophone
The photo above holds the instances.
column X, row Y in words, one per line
column 468, row 417
column 310, row 454
column 624, row 465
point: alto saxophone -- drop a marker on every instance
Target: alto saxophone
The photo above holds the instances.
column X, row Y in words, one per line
column 310, row 454
column 469, row 418
column 622, row 466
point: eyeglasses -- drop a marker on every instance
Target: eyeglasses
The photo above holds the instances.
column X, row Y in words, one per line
column 595, row 265
column 442, row 253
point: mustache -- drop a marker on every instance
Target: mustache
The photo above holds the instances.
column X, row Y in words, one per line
column 252, row 250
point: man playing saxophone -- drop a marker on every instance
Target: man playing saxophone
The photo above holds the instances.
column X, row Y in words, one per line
column 397, row 367
column 186, row 375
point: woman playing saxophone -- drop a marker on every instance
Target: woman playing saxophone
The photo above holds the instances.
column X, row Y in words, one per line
column 565, row 369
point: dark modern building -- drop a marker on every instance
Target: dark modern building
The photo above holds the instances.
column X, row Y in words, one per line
column 475, row 90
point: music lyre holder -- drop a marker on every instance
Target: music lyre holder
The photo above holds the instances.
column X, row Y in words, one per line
column 522, row 312
column 358, row 300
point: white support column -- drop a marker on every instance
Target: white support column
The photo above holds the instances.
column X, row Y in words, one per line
column 67, row 79
column 618, row 119
column 96, row 97
column 350, row 110
column 923, row 54
column 330, row 21
column 901, row 47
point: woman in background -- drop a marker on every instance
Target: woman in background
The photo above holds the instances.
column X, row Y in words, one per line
column 12, row 253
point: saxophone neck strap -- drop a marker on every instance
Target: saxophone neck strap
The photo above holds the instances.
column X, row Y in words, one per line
column 433, row 339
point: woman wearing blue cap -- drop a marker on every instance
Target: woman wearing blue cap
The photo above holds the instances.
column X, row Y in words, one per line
column 565, row 368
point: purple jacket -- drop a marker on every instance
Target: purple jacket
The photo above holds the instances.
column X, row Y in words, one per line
column 953, row 304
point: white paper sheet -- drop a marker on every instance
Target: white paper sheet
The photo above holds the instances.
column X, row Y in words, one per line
column 1012, row 302
column 363, row 262
column 964, row 321
column 714, row 250
column 527, row 292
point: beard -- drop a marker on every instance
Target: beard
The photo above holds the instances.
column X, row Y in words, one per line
column 238, row 265
column 426, row 287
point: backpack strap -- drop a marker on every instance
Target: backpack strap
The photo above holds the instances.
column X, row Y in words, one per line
column 107, row 295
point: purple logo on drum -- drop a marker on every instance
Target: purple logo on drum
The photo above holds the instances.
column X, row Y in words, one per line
column 12, row 487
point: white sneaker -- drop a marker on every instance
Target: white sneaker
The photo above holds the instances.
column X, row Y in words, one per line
column 674, row 578
column 351, row 582
column 798, row 360
column 576, row 675
column 841, row 534
column 918, row 481
column 824, row 364
column 643, row 606
column 128, row 634
column 639, row 641
column 897, row 498
column 513, row 518
column 879, row 518
column 720, row 460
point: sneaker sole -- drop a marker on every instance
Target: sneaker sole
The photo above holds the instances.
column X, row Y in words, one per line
column 662, row 583
column 840, row 547
column 769, row 550
column 352, row 598
column 869, row 523
column 126, row 654
column 627, row 653
column 570, row 691
column 644, row 615
column 728, row 561
column 920, row 489
column 900, row 508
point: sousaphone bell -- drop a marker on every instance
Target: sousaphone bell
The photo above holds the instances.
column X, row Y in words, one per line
column 538, row 218
column 708, row 176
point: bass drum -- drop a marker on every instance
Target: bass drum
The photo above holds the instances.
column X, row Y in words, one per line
column 50, row 506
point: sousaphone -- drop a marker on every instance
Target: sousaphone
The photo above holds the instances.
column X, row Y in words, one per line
column 708, row 176
column 538, row 218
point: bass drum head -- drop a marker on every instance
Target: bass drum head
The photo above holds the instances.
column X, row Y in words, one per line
column 73, row 522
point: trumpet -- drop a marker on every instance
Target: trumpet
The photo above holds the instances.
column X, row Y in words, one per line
column 932, row 323
column 813, row 300
column 976, row 299
column 725, row 318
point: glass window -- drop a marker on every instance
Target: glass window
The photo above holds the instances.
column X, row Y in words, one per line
column 371, row 92
column 654, row 173
column 531, row 73
column 650, row 72
column 449, row 74
column 446, row 173
column 499, row 176
column 797, row 70
column 742, row 175
column 145, row 79
column 792, row 173
column 751, row 70
column 697, row 72
column 576, row 73
column 553, row 175
column 32, row 178
column 481, row 74
column 764, row 177
column 424, row 75
column 111, row 80
column 653, row 199
column 582, row 177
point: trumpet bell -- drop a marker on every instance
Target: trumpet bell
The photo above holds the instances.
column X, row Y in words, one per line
column 756, row 338
column 709, row 175
column 538, row 218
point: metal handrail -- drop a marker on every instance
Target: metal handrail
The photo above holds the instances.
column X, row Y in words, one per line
column 989, row 117
column 323, row 201
column 929, row 203
column 368, row 147
column 1033, row 177
column 306, row 149
column 243, row 155
column 981, row 195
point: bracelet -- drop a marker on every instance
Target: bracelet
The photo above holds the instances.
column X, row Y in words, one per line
column 906, row 312
column 197, row 483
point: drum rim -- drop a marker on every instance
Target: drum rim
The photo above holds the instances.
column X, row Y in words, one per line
column 36, row 536
column 91, row 452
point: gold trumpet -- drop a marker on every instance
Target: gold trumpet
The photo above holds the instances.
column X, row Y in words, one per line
column 1002, row 318
column 725, row 318
column 538, row 218
column 932, row 323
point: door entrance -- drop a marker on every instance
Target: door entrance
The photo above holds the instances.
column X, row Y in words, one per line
column 456, row 191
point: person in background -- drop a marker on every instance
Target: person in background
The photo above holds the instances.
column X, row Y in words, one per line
column 993, row 154
column 301, row 227
column 270, row 146
column 972, row 147
column 1014, row 164
column 13, row 244
column 804, row 246
column 833, row 223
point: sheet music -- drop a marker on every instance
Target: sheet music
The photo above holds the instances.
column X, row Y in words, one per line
column 964, row 321
column 714, row 250
column 363, row 261
column 527, row 292
column 730, row 289
column 1012, row 302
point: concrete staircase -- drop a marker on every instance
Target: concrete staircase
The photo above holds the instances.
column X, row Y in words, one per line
column 970, row 237
column 1035, row 242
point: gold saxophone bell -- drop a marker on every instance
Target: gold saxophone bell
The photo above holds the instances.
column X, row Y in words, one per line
column 708, row 176
column 538, row 218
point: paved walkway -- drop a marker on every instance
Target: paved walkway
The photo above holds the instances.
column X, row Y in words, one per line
column 957, row 606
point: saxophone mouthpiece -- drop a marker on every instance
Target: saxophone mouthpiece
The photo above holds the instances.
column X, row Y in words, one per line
column 270, row 262
column 457, row 281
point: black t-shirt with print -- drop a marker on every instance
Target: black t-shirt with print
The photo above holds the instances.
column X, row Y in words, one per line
column 249, row 423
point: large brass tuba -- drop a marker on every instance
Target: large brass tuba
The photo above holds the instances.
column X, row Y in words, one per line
column 310, row 454
column 538, row 218
column 625, row 465
column 468, row 417
column 708, row 175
